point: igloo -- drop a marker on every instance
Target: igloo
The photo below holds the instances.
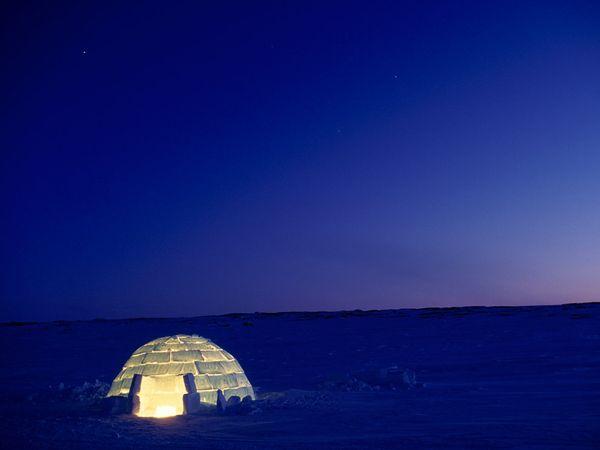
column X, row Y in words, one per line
column 176, row 375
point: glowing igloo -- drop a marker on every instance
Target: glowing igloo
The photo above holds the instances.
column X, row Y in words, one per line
column 175, row 375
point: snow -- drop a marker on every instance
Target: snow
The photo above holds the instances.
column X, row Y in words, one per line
column 484, row 378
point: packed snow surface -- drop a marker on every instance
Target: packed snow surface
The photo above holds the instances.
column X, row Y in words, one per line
column 478, row 378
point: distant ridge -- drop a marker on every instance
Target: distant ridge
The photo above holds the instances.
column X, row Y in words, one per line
column 433, row 311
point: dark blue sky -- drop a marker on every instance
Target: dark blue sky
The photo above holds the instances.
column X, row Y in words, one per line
column 196, row 158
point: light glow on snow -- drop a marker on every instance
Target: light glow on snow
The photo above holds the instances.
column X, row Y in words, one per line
column 165, row 411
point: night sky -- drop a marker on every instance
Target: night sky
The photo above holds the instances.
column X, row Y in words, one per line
column 178, row 159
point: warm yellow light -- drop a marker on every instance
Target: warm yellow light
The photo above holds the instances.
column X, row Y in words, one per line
column 165, row 411
column 161, row 396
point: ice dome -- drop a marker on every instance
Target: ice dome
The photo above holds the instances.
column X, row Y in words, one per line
column 176, row 374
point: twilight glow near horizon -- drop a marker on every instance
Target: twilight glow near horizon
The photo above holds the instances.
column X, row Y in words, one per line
column 202, row 158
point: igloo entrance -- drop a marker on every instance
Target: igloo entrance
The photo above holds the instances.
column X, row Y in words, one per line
column 161, row 396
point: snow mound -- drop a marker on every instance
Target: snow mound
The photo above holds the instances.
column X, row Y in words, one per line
column 88, row 392
column 296, row 399
column 390, row 378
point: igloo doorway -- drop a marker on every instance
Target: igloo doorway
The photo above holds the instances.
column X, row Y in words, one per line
column 161, row 396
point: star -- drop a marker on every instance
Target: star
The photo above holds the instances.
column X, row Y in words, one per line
column 84, row 52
